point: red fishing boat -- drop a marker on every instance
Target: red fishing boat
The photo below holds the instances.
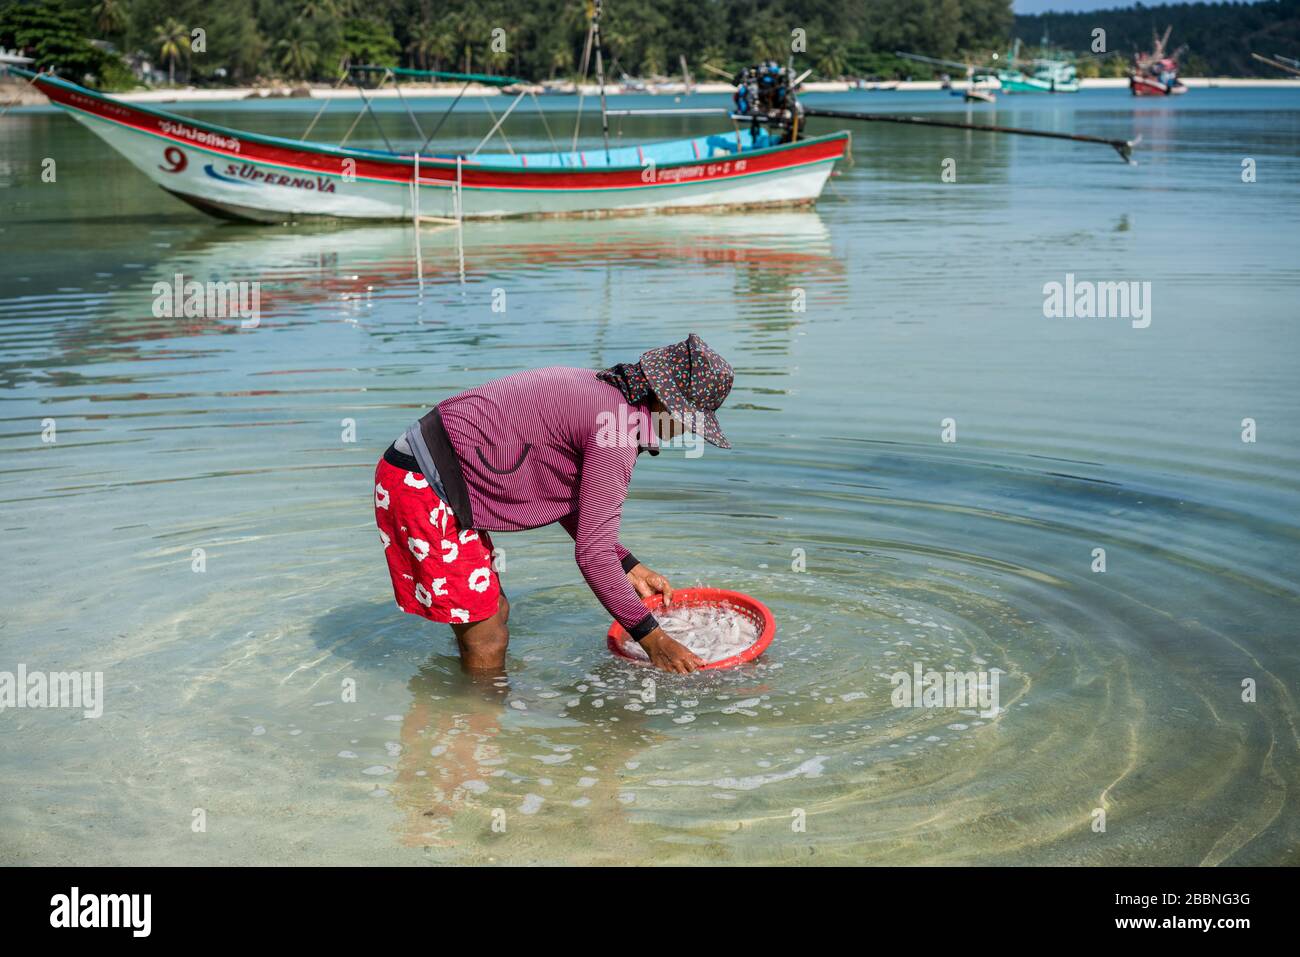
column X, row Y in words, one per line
column 1156, row 73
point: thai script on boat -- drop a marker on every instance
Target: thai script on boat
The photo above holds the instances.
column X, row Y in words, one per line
column 965, row 690
column 211, row 300
column 53, row 689
column 319, row 184
column 678, row 173
column 199, row 136
column 1085, row 299
column 98, row 106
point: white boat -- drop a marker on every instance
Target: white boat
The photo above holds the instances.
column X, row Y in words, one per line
column 253, row 176
column 984, row 87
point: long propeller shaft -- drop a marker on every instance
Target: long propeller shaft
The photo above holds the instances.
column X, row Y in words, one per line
column 1123, row 147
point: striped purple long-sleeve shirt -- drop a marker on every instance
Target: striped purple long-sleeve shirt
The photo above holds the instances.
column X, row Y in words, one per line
column 555, row 445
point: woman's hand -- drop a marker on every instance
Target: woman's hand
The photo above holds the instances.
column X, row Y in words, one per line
column 647, row 583
column 669, row 655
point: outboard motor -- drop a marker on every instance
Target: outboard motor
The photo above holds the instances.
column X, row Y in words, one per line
column 764, row 93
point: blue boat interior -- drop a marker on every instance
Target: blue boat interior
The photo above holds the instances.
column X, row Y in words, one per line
column 661, row 154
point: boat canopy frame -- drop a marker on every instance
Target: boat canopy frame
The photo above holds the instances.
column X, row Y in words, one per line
column 355, row 72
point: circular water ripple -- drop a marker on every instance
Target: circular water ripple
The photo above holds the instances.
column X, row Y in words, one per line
column 1108, row 700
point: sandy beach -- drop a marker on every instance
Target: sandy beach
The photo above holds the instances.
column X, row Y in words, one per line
column 16, row 94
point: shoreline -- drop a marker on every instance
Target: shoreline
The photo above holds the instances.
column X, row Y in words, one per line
column 21, row 94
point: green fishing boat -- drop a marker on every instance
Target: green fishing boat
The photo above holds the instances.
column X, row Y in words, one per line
column 1047, row 74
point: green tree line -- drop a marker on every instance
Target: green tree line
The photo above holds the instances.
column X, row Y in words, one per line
column 243, row 41
column 247, row 40
column 1220, row 37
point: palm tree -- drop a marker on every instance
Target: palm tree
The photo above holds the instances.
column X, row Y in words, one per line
column 428, row 44
column 109, row 16
column 298, row 54
column 444, row 50
column 319, row 9
column 471, row 29
column 173, row 42
column 832, row 64
column 653, row 61
column 561, row 58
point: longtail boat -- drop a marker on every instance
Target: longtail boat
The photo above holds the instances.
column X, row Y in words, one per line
column 252, row 176
column 1048, row 76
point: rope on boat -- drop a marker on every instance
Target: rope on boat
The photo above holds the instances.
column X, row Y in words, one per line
column 443, row 119
column 363, row 113
column 509, row 149
column 31, row 81
column 398, row 87
column 324, row 103
column 373, row 115
column 496, row 126
column 542, row 113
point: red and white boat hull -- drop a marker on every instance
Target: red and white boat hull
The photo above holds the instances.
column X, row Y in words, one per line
column 1150, row 86
column 252, row 176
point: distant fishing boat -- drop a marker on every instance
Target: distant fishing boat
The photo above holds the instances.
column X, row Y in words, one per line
column 982, row 83
column 252, row 176
column 868, row 84
column 983, row 87
column 1156, row 73
column 1049, row 74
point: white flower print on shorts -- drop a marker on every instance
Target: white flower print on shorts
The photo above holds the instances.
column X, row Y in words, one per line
column 417, row 523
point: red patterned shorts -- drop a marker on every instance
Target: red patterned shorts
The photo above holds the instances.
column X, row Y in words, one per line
column 439, row 571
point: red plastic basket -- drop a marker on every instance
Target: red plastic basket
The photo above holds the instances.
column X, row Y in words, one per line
column 751, row 608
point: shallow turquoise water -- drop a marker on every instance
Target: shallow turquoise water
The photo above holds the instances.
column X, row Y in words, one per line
column 1121, row 690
